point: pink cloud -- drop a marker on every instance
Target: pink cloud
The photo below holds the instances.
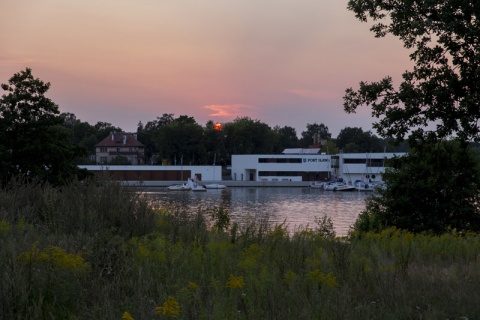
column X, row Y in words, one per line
column 8, row 61
column 227, row 110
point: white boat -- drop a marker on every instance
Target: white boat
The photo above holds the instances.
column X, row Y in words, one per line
column 369, row 186
column 198, row 187
column 317, row 185
column 215, row 186
column 365, row 187
column 338, row 186
column 179, row 187
column 195, row 186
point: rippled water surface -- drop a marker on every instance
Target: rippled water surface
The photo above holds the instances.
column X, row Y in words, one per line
column 297, row 206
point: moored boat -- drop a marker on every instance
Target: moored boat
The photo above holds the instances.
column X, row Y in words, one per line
column 215, row 186
column 198, row 187
column 369, row 186
column 179, row 187
column 317, row 185
column 338, row 186
column 195, row 186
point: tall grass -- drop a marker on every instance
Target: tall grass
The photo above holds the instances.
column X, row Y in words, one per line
column 96, row 250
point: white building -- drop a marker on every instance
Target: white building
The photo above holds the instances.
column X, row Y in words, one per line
column 144, row 173
column 305, row 166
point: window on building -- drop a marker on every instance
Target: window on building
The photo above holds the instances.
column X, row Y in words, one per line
column 357, row 161
column 103, row 160
column 335, row 161
column 103, row 149
column 279, row 173
column 279, row 160
column 377, row 163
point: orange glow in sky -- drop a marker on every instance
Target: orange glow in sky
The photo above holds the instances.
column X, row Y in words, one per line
column 282, row 62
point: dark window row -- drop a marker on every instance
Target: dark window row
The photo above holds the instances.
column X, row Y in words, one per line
column 348, row 161
column 279, row 173
column 279, row 160
column 368, row 162
column 375, row 163
column 147, row 175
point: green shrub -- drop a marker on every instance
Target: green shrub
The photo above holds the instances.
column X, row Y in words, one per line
column 170, row 263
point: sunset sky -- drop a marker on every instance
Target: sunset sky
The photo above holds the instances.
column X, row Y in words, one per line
column 282, row 62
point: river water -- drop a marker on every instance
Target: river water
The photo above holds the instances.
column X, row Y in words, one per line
column 297, row 207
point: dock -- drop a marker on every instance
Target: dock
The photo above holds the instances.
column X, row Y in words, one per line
column 228, row 183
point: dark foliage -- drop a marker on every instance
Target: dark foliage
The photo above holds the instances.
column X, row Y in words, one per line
column 33, row 141
column 433, row 189
column 440, row 97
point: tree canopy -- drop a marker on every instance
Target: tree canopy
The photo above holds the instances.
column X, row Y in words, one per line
column 33, row 141
column 248, row 135
column 284, row 137
column 356, row 140
column 433, row 189
column 440, row 96
column 314, row 130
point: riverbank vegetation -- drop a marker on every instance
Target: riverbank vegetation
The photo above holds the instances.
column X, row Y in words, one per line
column 96, row 250
column 93, row 249
column 434, row 188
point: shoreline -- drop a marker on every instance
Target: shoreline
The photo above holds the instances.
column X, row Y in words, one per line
column 227, row 183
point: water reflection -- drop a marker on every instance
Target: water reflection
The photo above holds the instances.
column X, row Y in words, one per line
column 298, row 207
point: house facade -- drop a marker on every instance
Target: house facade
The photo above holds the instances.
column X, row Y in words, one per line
column 301, row 165
column 120, row 144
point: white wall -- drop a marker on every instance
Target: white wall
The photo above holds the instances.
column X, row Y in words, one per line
column 243, row 165
column 209, row 173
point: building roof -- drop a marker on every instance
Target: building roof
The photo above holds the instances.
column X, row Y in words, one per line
column 301, row 151
column 120, row 139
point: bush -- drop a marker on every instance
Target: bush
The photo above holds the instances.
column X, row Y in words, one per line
column 168, row 263
column 431, row 189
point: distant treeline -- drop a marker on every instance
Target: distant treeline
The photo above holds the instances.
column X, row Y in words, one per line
column 175, row 140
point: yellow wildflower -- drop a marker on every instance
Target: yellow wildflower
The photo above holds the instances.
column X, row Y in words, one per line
column 235, row 282
column 4, row 227
column 192, row 285
column 385, row 269
column 290, row 277
column 127, row 316
column 21, row 225
column 57, row 257
column 251, row 256
column 170, row 308
column 321, row 278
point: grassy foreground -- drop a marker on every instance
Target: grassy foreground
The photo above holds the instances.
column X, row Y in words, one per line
column 96, row 250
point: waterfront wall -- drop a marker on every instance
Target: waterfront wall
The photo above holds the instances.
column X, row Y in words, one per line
column 157, row 173
column 228, row 183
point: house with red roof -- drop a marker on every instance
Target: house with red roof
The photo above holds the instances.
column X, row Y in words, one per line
column 120, row 144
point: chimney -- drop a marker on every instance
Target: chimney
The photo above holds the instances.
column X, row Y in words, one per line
column 113, row 135
column 124, row 138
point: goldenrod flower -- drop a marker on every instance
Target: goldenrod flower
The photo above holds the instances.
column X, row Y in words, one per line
column 319, row 277
column 57, row 257
column 290, row 277
column 235, row 282
column 193, row 286
column 170, row 308
column 127, row 316
column 4, row 227
column 385, row 269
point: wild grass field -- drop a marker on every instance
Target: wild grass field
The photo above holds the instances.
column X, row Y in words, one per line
column 96, row 250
